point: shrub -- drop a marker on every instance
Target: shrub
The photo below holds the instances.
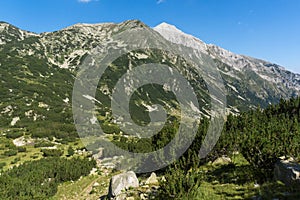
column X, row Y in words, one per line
column 21, row 149
column 52, row 152
column 2, row 164
column 269, row 134
column 180, row 184
column 34, row 156
column 70, row 151
column 15, row 160
column 43, row 144
column 10, row 152
column 14, row 134
column 39, row 179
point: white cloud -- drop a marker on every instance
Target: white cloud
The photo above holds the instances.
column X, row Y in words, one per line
column 160, row 1
column 84, row 1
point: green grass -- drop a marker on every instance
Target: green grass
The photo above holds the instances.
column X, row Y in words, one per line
column 226, row 181
column 237, row 181
column 31, row 153
column 24, row 156
column 83, row 189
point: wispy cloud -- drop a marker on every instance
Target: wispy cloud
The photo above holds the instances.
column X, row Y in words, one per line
column 84, row 1
column 160, row 1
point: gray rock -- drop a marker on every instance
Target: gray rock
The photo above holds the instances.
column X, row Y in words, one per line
column 98, row 155
column 122, row 196
column 121, row 182
column 287, row 171
column 143, row 196
column 96, row 184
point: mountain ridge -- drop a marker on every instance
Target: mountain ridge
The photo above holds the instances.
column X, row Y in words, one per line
column 163, row 24
column 33, row 65
column 168, row 31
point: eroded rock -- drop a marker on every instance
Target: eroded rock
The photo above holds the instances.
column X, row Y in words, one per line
column 121, row 182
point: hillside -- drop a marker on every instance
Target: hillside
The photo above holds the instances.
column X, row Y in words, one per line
column 38, row 70
column 42, row 114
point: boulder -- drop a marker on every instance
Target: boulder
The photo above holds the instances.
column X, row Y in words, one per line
column 96, row 184
column 287, row 171
column 224, row 160
column 121, row 182
column 152, row 179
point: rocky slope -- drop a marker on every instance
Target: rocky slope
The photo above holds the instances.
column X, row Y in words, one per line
column 262, row 79
column 37, row 72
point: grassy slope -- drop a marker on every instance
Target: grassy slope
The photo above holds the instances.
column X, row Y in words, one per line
column 221, row 182
column 236, row 181
column 233, row 181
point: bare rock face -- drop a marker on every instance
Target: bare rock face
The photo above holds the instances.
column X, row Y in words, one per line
column 287, row 171
column 121, row 182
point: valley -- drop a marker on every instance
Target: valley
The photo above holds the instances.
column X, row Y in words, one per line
column 43, row 156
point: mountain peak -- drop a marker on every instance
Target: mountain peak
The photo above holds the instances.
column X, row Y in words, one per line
column 173, row 34
column 169, row 27
column 133, row 24
column 86, row 25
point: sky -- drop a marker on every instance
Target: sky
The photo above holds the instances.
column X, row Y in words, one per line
column 265, row 29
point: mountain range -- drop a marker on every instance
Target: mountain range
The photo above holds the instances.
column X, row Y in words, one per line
column 37, row 72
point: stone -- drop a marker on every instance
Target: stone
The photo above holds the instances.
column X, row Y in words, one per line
column 152, row 179
column 94, row 171
column 287, row 171
column 122, row 196
column 121, row 182
column 143, row 196
column 224, row 160
column 99, row 154
column 96, row 184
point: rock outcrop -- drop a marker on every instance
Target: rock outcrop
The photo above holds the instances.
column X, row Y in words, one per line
column 121, row 182
column 287, row 171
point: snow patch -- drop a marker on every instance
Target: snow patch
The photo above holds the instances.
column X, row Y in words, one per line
column 240, row 97
column 232, row 87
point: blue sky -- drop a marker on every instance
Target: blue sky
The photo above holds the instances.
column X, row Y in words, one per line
column 266, row 29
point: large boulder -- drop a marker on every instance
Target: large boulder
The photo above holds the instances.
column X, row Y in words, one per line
column 121, row 182
column 287, row 171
